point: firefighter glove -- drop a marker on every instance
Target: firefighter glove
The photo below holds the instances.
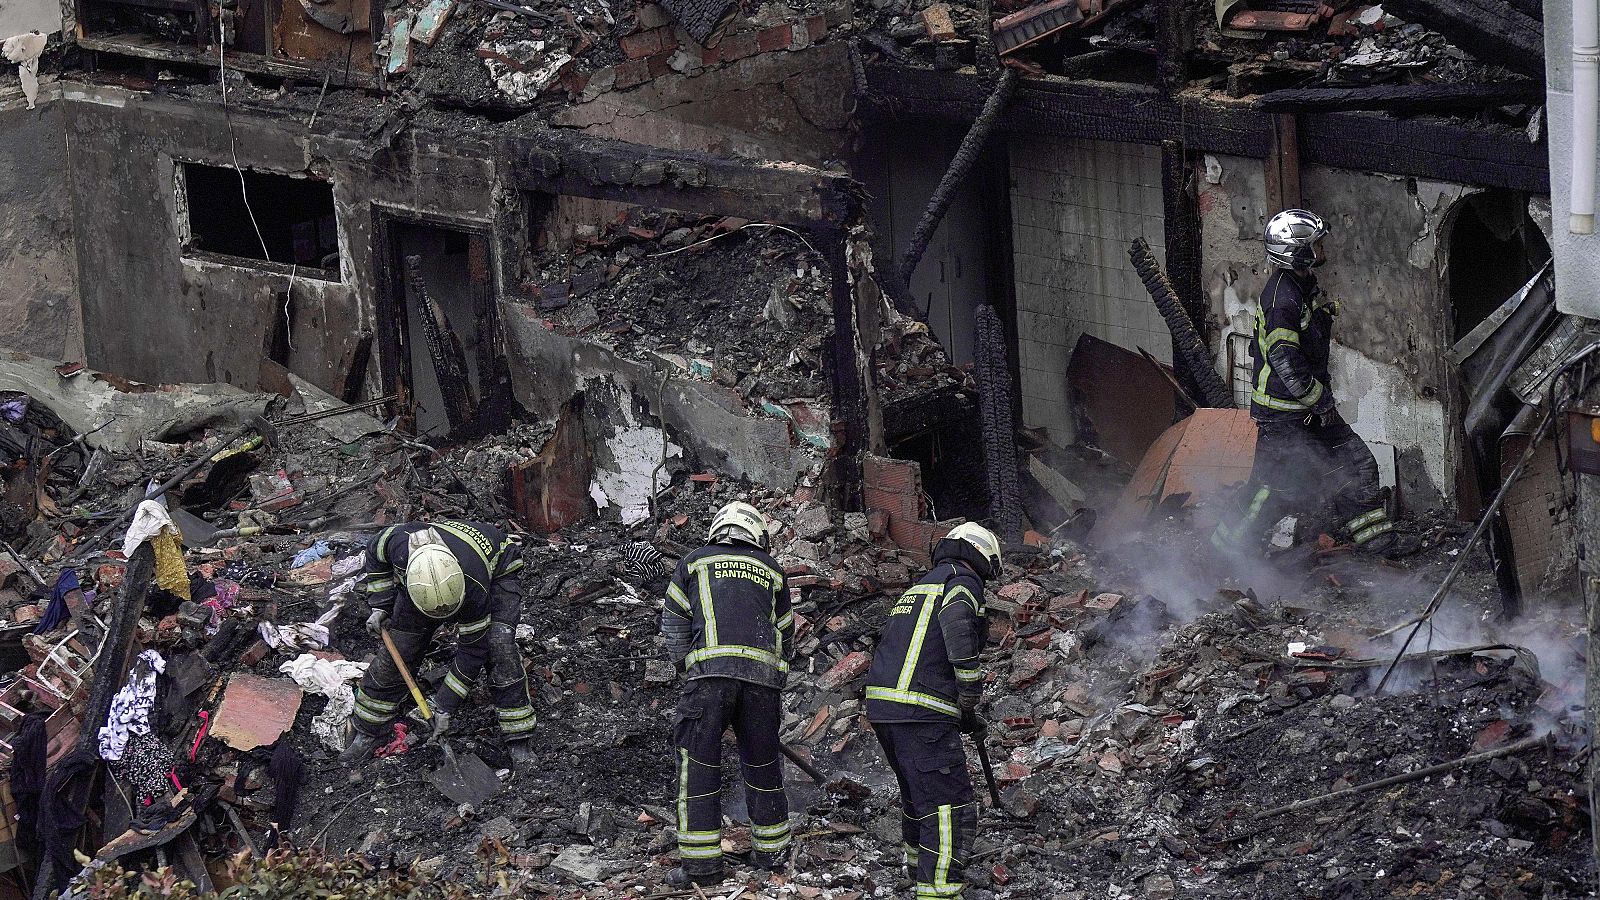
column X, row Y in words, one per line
column 375, row 623
column 971, row 721
column 441, row 723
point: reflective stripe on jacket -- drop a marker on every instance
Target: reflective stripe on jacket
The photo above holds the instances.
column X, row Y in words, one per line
column 1290, row 349
column 927, row 653
column 734, row 601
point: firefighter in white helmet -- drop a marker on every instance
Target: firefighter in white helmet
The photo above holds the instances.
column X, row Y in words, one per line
column 422, row 576
column 730, row 631
column 922, row 692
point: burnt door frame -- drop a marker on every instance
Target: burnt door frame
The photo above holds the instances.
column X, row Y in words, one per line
column 493, row 411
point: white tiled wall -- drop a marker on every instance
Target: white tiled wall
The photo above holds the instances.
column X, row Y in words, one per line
column 1076, row 206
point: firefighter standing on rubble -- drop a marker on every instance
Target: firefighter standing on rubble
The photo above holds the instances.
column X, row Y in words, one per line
column 1304, row 448
column 729, row 630
column 922, row 694
column 422, row 576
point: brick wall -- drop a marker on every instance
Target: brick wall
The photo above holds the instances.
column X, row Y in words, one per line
column 1076, row 205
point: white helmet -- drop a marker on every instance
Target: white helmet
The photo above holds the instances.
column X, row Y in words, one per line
column 981, row 539
column 1291, row 237
column 741, row 522
column 434, row 580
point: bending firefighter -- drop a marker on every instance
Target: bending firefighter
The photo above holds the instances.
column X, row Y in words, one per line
column 419, row 577
column 922, row 693
column 1305, row 451
column 729, row 629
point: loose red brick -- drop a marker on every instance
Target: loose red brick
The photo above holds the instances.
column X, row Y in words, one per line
column 775, row 38
column 661, row 64
column 936, row 19
column 846, row 670
column 633, row 73
column 738, row 46
column 641, row 44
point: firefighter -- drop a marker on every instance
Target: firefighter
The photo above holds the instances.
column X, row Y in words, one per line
column 730, row 632
column 922, row 694
column 419, row 577
column 1305, row 451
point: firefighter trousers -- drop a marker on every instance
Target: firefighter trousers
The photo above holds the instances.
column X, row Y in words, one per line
column 938, row 815
column 1305, row 469
column 706, row 709
column 484, row 642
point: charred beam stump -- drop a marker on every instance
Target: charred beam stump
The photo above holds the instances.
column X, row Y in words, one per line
column 1181, row 230
column 960, row 167
column 999, row 432
column 1185, row 339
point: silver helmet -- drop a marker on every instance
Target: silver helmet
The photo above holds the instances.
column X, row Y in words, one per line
column 1291, row 239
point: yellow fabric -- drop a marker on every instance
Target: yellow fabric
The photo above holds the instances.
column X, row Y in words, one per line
column 171, row 576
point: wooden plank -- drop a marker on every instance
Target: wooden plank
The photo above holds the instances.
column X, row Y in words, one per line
column 1283, row 164
column 1492, row 30
column 1425, row 148
column 144, row 47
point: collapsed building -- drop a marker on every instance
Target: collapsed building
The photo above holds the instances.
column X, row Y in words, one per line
column 589, row 268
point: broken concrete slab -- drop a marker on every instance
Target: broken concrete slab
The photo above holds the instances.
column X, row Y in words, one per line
column 255, row 711
column 121, row 412
column 585, row 864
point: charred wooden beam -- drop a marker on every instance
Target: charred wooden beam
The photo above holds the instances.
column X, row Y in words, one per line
column 1174, row 40
column 1424, row 146
column 1492, row 30
column 1181, row 231
column 1283, row 164
column 603, row 169
column 1402, row 98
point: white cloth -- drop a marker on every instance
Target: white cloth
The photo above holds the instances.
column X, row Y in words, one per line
column 25, row 50
column 332, row 680
column 303, row 635
column 148, row 520
column 130, row 708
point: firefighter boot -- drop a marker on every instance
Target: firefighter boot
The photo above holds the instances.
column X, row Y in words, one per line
column 703, row 872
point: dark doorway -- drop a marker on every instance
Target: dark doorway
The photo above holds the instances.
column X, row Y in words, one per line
column 439, row 329
column 1494, row 248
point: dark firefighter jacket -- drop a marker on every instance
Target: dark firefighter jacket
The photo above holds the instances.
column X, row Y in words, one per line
column 1294, row 329
column 927, row 654
column 727, row 615
column 488, row 558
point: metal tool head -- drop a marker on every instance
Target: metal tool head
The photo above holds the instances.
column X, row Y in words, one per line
column 268, row 432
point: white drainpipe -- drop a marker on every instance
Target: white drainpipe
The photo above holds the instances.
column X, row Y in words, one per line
column 1585, row 105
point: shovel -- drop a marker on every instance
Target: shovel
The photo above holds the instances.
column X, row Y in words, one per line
column 978, row 739
column 468, row 781
column 197, row 532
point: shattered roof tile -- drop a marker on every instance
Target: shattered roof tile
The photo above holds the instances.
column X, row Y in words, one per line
column 698, row 17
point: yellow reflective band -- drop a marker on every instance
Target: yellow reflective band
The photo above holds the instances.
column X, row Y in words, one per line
column 1280, row 336
column 770, row 830
column 786, row 621
column 770, row 846
column 514, row 568
column 1367, row 534
column 947, row 840
column 380, row 585
column 908, row 668
column 680, row 598
column 1365, row 519
column 913, row 698
column 456, row 685
column 734, row 650
column 471, row 628
column 714, row 852
column 708, row 610
column 706, row 562
column 520, row 712
column 957, row 593
column 369, row 700
column 383, row 543
column 683, row 790
column 1262, row 398
column 969, row 675
column 700, row 837
column 375, row 718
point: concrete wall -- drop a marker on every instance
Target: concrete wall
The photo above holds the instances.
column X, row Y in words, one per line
column 1577, row 256
column 22, row 16
column 1075, row 207
column 38, row 272
column 1385, row 266
column 152, row 313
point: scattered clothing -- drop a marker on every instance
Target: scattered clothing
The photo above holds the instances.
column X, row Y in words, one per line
column 311, row 554
column 149, row 519
column 396, row 746
column 248, row 575
column 146, row 766
column 288, row 773
column 130, row 708
column 25, row 50
column 331, row 679
column 14, row 409
column 58, row 611
column 30, row 749
column 302, row 635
